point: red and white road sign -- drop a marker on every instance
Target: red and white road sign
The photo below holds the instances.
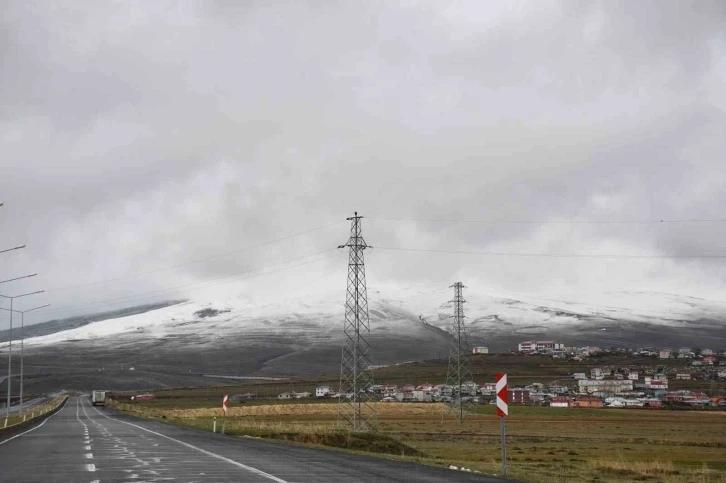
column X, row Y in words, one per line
column 225, row 403
column 502, row 395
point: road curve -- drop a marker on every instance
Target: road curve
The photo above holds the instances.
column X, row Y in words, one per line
column 82, row 443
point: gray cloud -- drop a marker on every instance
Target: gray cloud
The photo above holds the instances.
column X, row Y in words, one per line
column 140, row 135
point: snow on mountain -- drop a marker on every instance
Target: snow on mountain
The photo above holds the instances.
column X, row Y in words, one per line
column 406, row 311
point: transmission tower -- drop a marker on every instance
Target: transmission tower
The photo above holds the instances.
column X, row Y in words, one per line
column 355, row 410
column 459, row 378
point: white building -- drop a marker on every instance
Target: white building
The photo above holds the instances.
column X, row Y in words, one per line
column 323, row 391
column 481, row 350
column 603, row 385
column 540, row 346
column 633, row 376
column 597, row 373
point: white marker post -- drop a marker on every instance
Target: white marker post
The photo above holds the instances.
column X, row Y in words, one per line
column 503, row 412
column 225, row 402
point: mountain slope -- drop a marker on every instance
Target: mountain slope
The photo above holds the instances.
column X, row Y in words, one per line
column 303, row 336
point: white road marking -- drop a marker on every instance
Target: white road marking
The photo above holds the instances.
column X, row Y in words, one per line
column 88, row 456
column 33, row 429
column 87, row 448
column 204, row 451
column 91, row 468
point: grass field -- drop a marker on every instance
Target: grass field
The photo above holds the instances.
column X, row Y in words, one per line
column 544, row 444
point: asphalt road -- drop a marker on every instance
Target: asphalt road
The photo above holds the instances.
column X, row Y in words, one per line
column 82, row 443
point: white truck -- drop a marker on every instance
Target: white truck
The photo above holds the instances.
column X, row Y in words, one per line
column 98, row 398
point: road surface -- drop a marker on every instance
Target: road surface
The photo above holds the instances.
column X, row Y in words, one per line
column 82, row 443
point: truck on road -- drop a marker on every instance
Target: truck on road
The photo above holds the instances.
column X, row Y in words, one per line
column 98, row 398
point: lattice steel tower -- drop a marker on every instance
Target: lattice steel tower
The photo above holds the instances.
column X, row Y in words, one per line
column 459, row 377
column 356, row 377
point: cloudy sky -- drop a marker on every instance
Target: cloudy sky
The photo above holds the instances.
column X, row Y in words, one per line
column 141, row 135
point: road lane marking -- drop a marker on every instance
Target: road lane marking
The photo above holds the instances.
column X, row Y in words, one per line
column 204, row 451
column 88, row 456
column 91, row 468
column 38, row 426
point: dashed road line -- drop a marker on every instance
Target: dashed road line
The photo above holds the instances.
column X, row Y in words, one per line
column 204, row 451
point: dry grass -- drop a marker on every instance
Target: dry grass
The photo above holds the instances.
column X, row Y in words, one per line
column 302, row 409
column 588, row 445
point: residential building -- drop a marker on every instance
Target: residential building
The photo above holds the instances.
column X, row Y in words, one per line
column 605, row 385
column 721, row 374
column 323, row 391
column 481, row 350
column 557, row 389
column 488, row 388
column 286, row 395
column 579, row 375
column 657, row 382
column 301, row 395
column 632, row 375
column 706, row 352
column 519, row 396
column 710, row 360
column 587, row 402
column 683, row 377
column 597, row 373
column 560, row 402
column 531, row 346
column 664, row 354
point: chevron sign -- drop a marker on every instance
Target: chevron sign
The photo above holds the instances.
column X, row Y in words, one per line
column 502, row 395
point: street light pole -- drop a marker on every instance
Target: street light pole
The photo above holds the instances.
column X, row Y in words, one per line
column 18, row 278
column 10, row 348
column 11, row 249
column 22, row 340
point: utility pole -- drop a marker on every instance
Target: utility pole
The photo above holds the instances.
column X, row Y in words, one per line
column 355, row 410
column 459, row 377
column 10, row 348
column 22, row 344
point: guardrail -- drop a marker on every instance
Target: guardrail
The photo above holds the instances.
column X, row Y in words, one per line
column 33, row 416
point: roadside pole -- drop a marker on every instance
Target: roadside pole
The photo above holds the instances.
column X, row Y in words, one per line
column 225, row 402
column 503, row 412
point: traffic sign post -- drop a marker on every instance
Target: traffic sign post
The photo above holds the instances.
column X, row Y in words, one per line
column 225, row 403
column 503, row 412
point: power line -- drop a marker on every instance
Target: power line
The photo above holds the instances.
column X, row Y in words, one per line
column 554, row 255
column 556, row 222
column 139, row 274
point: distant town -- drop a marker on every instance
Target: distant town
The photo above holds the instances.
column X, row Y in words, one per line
column 639, row 383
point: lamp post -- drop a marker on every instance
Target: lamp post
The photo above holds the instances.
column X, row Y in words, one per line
column 10, row 347
column 22, row 340
column 18, row 278
column 11, row 249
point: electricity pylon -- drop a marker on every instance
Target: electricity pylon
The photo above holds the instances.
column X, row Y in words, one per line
column 459, row 378
column 355, row 410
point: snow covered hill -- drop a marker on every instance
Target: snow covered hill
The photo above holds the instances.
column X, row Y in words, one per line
column 183, row 344
column 398, row 311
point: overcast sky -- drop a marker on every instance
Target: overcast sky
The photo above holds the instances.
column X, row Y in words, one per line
column 139, row 135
